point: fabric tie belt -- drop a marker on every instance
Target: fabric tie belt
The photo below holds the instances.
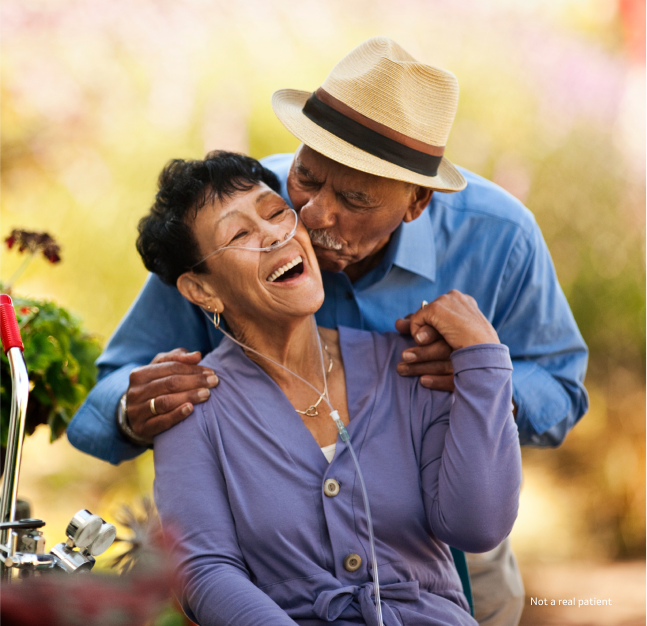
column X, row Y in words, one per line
column 332, row 603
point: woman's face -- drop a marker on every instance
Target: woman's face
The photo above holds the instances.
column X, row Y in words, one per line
column 285, row 282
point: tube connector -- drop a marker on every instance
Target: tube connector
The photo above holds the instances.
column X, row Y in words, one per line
column 341, row 429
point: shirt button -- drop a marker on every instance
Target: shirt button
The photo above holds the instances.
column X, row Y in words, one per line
column 349, row 295
column 331, row 487
column 352, row 562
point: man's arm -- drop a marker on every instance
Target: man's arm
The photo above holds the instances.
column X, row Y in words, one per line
column 548, row 353
column 549, row 356
column 159, row 321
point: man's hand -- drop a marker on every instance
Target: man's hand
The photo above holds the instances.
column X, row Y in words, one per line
column 450, row 322
column 176, row 382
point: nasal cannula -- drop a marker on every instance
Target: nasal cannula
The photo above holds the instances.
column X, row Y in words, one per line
column 343, row 433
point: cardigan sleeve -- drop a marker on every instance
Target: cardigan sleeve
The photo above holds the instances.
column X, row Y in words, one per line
column 191, row 497
column 470, row 459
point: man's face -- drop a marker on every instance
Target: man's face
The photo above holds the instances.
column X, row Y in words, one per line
column 350, row 214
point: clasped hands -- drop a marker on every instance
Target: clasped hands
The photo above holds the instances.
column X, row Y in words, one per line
column 176, row 381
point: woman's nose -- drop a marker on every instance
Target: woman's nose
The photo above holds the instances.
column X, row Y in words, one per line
column 278, row 233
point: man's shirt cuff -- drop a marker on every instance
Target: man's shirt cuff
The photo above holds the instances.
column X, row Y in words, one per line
column 540, row 398
column 93, row 429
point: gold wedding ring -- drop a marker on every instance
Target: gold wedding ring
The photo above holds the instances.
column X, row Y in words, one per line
column 151, row 404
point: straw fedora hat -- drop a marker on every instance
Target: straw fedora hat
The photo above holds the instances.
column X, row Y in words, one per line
column 379, row 111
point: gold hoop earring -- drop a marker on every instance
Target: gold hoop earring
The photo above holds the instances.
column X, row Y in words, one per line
column 216, row 319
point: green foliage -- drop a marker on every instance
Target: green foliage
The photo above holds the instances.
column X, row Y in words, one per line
column 60, row 361
column 170, row 616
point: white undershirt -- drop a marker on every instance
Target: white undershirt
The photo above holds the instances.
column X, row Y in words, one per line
column 329, row 451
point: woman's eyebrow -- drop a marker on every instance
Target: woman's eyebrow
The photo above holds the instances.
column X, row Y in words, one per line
column 261, row 196
column 225, row 216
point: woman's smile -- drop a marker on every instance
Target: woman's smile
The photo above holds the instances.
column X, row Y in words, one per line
column 288, row 272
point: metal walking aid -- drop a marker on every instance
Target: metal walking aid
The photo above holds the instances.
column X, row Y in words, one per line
column 22, row 545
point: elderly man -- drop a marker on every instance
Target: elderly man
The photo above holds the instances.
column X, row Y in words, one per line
column 394, row 223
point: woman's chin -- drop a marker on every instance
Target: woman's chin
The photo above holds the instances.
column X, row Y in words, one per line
column 298, row 297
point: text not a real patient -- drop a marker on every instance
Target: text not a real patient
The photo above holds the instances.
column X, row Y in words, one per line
column 571, row 602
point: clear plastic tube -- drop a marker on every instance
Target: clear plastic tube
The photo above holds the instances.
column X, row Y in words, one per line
column 275, row 246
column 344, row 436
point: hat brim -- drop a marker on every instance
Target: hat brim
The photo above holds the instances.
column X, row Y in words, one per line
column 288, row 106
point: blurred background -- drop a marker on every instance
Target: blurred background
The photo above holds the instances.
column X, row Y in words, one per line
column 98, row 95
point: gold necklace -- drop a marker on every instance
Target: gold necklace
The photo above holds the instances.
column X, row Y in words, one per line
column 312, row 411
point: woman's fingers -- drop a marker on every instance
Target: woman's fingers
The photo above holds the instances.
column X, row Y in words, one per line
column 439, row 350
column 403, row 325
column 450, row 322
column 457, row 318
column 424, row 334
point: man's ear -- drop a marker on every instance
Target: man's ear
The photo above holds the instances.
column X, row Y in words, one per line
column 198, row 291
column 420, row 197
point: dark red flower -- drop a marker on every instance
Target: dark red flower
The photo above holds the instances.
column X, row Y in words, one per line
column 34, row 242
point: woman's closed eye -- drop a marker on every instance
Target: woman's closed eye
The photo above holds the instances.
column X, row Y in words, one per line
column 275, row 216
column 238, row 236
column 278, row 213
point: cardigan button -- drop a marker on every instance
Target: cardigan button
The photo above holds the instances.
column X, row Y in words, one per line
column 331, row 488
column 353, row 562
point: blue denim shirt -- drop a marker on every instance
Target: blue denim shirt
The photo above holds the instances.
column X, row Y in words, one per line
column 481, row 241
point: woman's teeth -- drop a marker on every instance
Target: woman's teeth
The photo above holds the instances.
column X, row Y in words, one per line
column 284, row 268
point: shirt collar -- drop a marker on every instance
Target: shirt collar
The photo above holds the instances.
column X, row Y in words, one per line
column 413, row 248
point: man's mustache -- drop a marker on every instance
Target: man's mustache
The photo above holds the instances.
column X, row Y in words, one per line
column 321, row 237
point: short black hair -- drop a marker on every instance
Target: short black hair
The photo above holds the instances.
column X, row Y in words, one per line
column 166, row 243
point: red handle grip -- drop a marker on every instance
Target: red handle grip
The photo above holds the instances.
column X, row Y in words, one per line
column 9, row 330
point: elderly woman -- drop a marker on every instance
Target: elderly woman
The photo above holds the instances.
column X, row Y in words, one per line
column 261, row 493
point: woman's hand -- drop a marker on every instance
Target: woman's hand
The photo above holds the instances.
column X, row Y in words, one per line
column 450, row 322
column 456, row 318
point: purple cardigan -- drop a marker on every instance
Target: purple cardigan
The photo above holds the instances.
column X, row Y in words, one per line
column 241, row 482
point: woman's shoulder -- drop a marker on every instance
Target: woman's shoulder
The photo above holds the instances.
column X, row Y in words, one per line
column 386, row 346
column 224, row 352
column 229, row 362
